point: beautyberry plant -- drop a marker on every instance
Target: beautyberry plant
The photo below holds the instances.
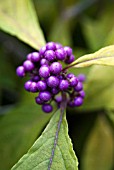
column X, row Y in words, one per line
column 49, row 79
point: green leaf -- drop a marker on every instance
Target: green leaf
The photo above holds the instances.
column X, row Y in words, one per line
column 38, row 157
column 99, row 149
column 18, row 18
column 104, row 56
column 19, row 128
column 99, row 88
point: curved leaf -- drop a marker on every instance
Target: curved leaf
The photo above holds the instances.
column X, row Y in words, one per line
column 38, row 157
column 104, row 56
column 99, row 149
column 18, row 17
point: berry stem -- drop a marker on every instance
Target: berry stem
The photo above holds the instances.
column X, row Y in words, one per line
column 62, row 108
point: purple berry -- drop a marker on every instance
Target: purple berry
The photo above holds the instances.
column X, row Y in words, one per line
column 70, row 59
column 29, row 56
column 50, row 55
column 38, row 100
column 50, row 46
column 20, row 71
column 73, row 81
column 58, row 46
column 43, row 61
column 63, row 85
column 71, row 104
column 81, row 77
column 28, row 65
column 78, row 101
column 60, row 54
column 35, row 78
column 42, row 51
column 55, row 68
column 70, row 75
column 82, row 93
column 44, row 71
column 35, row 57
column 54, row 90
column 53, row 81
column 78, row 87
column 47, row 108
column 45, row 96
column 58, row 99
column 27, row 85
column 33, row 87
column 41, row 85
column 68, row 50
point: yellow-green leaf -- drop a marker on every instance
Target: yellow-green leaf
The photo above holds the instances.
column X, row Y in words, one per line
column 38, row 157
column 18, row 18
column 104, row 56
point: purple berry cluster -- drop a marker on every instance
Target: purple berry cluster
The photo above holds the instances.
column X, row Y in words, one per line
column 49, row 79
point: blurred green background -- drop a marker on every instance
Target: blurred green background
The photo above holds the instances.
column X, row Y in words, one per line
column 86, row 26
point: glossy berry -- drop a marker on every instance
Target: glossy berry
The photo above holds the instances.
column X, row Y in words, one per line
column 81, row 77
column 70, row 59
column 73, row 81
column 41, row 85
column 70, row 75
column 68, row 51
column 50, row 55
column 35, row 78
column 53, row 81
column 60, row 54
column 51, row 46
column 20, row 71
column 35, row 57
column 82, row 93
column 58, row 99
column 47, row 108
column 63, row 85
column 33, row 87
column 55, row 68
column 29, row 56
column 42, row 51
column 78, row 87
column 38, row 100
column 58, row 46
column 44, row 71
column 43, row 61
column 28, row 65
column 27, row 85
column 78, row 101
column 54, row 90
column 45, row 96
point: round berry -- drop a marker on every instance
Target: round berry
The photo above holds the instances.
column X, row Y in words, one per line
column 53, row 81
column 27, row 85
column 38, row 100
column 70, row 59
column 50, row 55
column 45, row 96
column 20, row 71
column 58, row 46
column 41, row 85
column 47, row 108
column 54, row 90
column 35, row 57
column 63, row 85
column 82, row 93
column 42, row 51
column 81, row 77
column 33, row 87
column 35, row 78
column 58, row 99
column 28, row 65
column 50, row 46
column 44, row 71
column 55, row 68
column 78, row 87
column 78, row 101
column 43, row 61
column 71, row 104
column 60, row 54
column 29, row 56
column 68, row 50
column 70, row 75
column 73, row 81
